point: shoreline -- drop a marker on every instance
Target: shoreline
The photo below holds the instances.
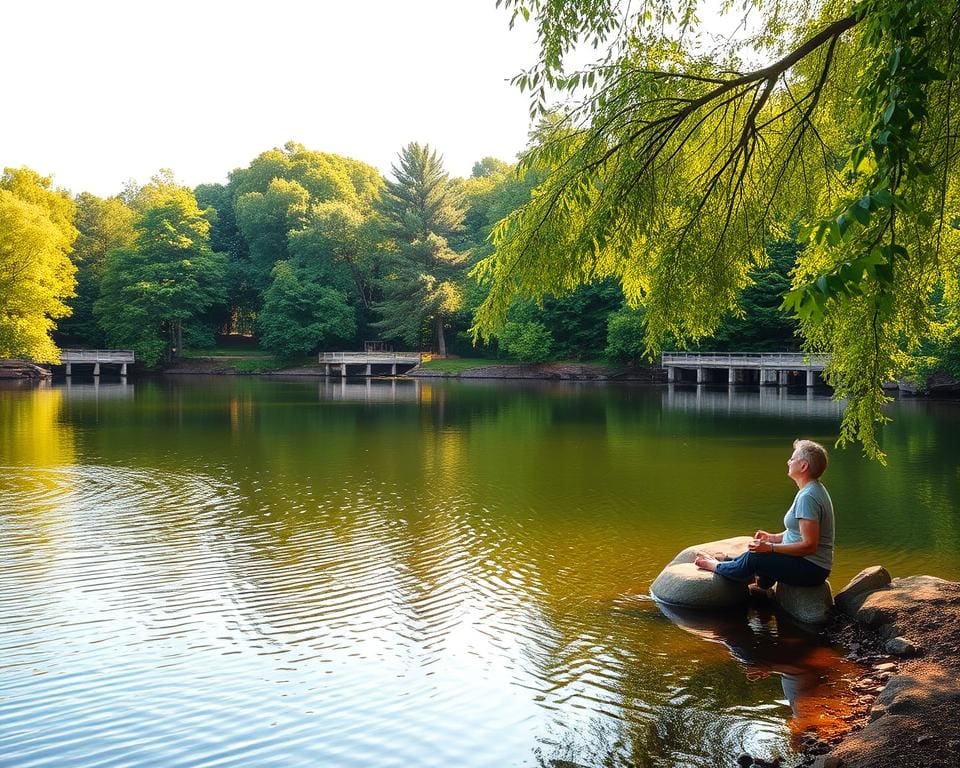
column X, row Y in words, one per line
column 905, row 635
column 496, row 370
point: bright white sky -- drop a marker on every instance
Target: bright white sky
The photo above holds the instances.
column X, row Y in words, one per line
column 101, row 91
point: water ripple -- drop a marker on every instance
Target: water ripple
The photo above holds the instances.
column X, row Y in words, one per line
column 159, row 618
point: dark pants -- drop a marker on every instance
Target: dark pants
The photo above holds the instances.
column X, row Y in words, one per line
column 771, row 567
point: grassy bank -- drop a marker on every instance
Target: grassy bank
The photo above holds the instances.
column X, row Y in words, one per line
column 233, row 361
column 457, row 365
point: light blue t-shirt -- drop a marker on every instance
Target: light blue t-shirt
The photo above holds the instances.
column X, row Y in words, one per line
column 812, row 502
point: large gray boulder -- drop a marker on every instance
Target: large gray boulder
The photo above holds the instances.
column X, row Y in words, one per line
column 720, row 549
column 686, row 585
column 682, row 583
column 811, row 605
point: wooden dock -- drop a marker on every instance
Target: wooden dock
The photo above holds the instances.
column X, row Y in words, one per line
column 369, row 363
column 772, row 368
column 96, row 358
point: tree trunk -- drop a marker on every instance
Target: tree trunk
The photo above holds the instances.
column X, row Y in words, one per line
column 179, row 338
column 441, row 342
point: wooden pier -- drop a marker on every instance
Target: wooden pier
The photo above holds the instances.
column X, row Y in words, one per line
column 96, row 358
column 765, row 368
column 369, row 363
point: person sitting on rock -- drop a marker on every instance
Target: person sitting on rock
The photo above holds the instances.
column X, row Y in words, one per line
column 803, row 554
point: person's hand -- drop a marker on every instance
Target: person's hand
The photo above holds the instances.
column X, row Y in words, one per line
column 760, row 545
column 762, row 535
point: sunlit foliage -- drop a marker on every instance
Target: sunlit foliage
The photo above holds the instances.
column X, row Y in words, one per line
column 164, row 280
column 36, row 275
column 670, row 167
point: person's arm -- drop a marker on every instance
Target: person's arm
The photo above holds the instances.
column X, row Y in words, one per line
column 776, row 538
column 809, row 540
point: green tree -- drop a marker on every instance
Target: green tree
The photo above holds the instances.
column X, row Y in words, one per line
column 578, row 320
column 625, row 336
column 281, row 194
column 673, row 166
column 421, row 211
column 301, row 315
column 759, row 325
column 103, row 225
column 242, row 297
column 36, row 274
column 529, row 341
column 164, row 281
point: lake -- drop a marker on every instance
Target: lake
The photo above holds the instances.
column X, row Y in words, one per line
column 238, row 571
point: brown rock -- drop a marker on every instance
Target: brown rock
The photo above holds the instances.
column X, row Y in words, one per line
column 900, row 646
column 21, row 369
column 868, row 580
column 827, row 761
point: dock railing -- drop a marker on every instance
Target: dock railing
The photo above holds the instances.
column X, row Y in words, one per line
column 97, row 356
column 779, row 360
column 375, row 358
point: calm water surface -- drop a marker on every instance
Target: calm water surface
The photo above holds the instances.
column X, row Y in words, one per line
column 242, row 572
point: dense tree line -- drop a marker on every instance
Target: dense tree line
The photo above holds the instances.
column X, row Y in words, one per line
column 302, row 251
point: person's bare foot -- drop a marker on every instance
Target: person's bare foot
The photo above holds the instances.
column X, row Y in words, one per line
column 705, row 562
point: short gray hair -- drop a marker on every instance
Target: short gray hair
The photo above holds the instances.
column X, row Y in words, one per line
column 814, row 454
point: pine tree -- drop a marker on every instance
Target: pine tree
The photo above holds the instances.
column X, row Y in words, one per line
column 422, row 272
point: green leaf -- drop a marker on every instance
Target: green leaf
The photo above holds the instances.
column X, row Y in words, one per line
column 888, row 112
column 860, row 213
column 884, row 274
column 893, row 62
column 834, row 234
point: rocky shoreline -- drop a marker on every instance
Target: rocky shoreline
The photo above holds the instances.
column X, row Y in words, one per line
column 22, row 370
column 905, row 634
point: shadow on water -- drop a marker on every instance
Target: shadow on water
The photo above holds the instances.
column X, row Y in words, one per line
column 814, row 676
